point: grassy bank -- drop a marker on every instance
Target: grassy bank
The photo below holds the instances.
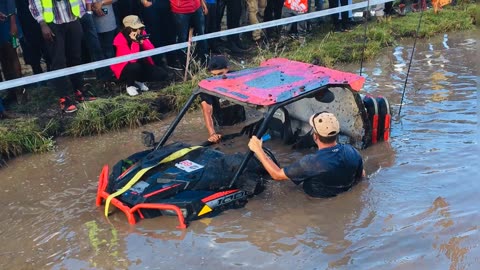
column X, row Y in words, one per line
column 328, row 48
column 114, row 113
column 37, row 122
column 25, row 135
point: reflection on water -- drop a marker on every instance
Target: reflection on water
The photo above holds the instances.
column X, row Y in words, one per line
column 400, row 64
column 418, row 210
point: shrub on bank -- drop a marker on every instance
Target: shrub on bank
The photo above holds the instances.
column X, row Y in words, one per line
column 105, row 114
column 24, row 135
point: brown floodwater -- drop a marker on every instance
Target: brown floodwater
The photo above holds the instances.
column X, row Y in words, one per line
column 419, row 209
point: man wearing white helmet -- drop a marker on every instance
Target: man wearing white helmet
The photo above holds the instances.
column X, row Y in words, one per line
column 333, row 169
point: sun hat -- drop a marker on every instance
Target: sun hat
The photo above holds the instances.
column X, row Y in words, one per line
column 325, row 124
column 132, row 21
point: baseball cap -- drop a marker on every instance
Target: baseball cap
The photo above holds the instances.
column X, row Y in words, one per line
column 325, row 124
column 217, row 62
column 132, row 21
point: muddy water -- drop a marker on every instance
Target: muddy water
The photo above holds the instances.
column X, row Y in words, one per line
column 418, row 210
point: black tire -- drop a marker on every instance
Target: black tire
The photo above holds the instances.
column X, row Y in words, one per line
column 371, row 106
column 384, row 119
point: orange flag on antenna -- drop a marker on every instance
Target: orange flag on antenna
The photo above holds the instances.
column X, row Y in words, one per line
column 438, row 4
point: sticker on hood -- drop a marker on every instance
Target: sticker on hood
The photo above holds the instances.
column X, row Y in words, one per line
column 188, row 165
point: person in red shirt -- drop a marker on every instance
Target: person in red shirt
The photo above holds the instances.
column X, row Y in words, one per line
column 133, row 39
column 190, row 13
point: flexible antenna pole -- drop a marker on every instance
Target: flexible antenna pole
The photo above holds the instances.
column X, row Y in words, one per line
column 411, row 58
column 365, row 37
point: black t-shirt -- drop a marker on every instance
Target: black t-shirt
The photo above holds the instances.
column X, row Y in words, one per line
column 328, row 172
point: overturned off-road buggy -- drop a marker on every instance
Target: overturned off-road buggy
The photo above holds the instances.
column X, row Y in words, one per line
column 195, row 181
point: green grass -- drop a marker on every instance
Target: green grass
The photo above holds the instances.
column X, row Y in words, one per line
column 330, row 48
column 24, row 135
column 40, row 120
column 182, row 91
column 107, row 114
column 474, row 12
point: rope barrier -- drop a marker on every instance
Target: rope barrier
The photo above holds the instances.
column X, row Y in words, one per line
column 111, row 61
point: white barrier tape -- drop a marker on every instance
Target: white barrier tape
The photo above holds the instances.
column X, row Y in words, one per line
column 111, row 61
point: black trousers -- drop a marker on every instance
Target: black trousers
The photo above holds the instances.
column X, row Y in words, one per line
column 141, row 71
column 123, row 8
column 334, row 4
column 211, row 24
column 159, row 22
column 33, row 45
column 389, row 7
column 234, row 12
column 273, row 10
column 66, row 50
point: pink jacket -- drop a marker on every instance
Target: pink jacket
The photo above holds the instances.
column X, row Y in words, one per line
column 122, row 48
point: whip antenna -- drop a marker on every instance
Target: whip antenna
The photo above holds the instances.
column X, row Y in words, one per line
column 411, row 57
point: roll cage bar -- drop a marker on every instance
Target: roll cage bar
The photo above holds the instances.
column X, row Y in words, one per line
column 261, row 130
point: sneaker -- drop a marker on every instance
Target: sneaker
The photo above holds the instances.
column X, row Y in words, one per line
column 338, row 29
column 132, row 90
column 401, row 10
column 142, row 86
column 67, row 106
column 81, row 97
column 175, row 65
column 176, row 68
column 302, row 40
column 242, row 45
column 109, row 86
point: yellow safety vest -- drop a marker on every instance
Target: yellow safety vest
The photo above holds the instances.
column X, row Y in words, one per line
column 47, row 6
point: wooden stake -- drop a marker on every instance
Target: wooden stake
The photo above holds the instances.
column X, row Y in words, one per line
column 190, row 34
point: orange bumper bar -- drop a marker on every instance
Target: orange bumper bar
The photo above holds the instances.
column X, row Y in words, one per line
column 130, row 212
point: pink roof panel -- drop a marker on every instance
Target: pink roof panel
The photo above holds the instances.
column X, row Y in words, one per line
column 277, row 80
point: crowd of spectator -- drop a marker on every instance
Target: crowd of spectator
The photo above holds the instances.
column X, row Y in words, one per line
column 61, row 33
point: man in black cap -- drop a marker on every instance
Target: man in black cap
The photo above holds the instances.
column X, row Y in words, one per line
column 218, row 65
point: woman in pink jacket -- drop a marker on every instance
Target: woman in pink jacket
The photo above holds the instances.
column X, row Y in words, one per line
column 133, row 39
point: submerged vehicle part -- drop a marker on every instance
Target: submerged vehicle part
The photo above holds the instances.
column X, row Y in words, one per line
column 178, row 179
column 192, row 182
column 379, row 117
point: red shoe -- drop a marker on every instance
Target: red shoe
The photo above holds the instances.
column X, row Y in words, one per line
column 80, row 97
column 67, row 106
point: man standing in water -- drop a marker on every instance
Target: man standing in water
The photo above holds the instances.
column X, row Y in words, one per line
column 333, row 169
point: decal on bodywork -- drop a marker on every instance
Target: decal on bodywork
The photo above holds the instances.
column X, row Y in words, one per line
column 188, row 165
column 221, row 198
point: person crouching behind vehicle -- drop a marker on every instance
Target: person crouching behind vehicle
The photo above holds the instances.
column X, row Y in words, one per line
column 218, row 65
column 333, row 169
column 135, row 73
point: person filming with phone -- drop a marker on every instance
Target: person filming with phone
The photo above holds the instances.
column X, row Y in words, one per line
column 135, row 73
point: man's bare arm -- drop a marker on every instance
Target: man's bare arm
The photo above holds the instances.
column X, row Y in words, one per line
column 275, row 172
